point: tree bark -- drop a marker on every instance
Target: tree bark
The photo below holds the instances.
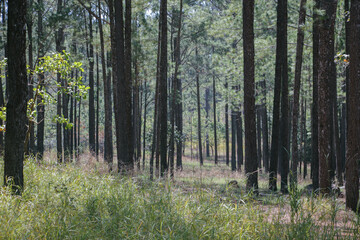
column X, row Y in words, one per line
column 249, row 96
column 297, row 84
column 215, row 126
column 353, row 96
column 18, row 93
column 91, row 90
column 326, row 45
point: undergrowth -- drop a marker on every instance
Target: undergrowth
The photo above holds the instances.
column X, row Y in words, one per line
column 66, row 202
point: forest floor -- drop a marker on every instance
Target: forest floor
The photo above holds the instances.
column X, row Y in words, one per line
column 83, row 201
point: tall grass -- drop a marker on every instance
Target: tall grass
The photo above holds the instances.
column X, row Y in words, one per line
column 67, row 202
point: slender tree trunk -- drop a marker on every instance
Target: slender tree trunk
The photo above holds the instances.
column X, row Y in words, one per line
column 249, row 96
column 145, row 119
column 31, row 146
column 97, row 107
column 207, row 109
column 227, row 125
column 315, row 104
column 239, row 134
column 215, row 126
column 297, row 84
column 163, row 89
column 258, row 134
column 353, row 129
column 199, row 111
column 264, row 126
column 59, row 48
column 233, row 140
column 108, row 148
column 91, row 90
column 40, row 106
column 18, row 94
column 275, row 138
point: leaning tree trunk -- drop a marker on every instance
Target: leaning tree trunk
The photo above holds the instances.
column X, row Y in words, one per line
column 18, row 92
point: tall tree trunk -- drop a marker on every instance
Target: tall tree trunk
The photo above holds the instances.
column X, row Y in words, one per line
column 315, row 104
column 29, row 22
column 163, row 88
column 108, row 148
column 18, row 94
column 40, row 106
column 59, row 48
column 284, row 130
column 178, row 102
column 215, row 126
column 353, row 129
column 91, row 90
column 326, row 45
column 249, row 96
column 144, row 119
column 297, row 83
column 97, row 107
column 275, row 138
column 198, row 110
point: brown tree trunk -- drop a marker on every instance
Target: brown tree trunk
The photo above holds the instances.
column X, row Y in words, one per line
column 249, row 96
column 18, row 93
column 265, row 132
column 297, row 84
column 239, row 134
column 227, row 125
column 163, row 89
column 40, row 106
column 326, row 45
column 108, row 148
column 275, row 138
column 315, row 107
column 353, row 96
column 215, row 126
column 91, row 90
column 233, row 140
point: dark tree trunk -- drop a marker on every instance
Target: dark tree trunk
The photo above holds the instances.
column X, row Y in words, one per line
column 326, row 45
column 315, row 104
column 249, row 96
column 297, row 83
column 40, row 107
column 275, row 138
column 145, row 119
column 29, row 22
column 284, row 130
column 258, row 134
column 233, row 140
column 353, row 130
column 265, row 132
column 91, row 90
column 207, row 109
column 178, row 102
column 108, row 148
column 163, row 89
column 18, row 94
column 97, row 107
column 227, row 125
column 59, row 48
column 239, row 135
column 199, row 111
column 215, row 126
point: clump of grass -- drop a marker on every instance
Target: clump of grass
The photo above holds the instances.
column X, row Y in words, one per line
column 66, row 201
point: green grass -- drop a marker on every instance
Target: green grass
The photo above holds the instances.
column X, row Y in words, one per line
column 70, row 202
